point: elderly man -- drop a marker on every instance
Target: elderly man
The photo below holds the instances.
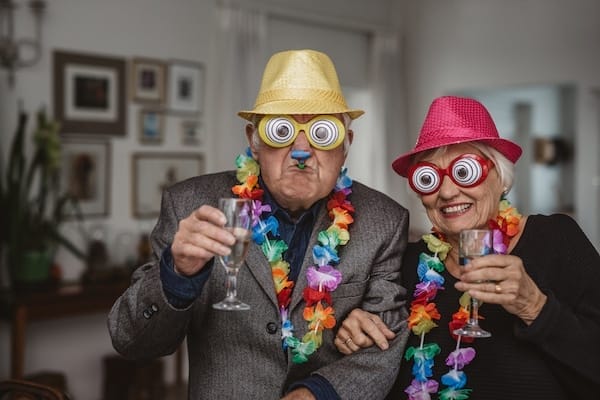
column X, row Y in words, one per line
column 324, row 245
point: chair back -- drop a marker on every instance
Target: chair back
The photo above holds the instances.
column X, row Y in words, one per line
column 15, row 389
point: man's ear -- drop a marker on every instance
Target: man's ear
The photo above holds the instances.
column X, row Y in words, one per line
column 250, row 129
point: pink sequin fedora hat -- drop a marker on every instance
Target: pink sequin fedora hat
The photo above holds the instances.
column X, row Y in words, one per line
column 454, row 120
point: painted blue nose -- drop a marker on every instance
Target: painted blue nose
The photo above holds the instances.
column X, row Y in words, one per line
column 301, row 156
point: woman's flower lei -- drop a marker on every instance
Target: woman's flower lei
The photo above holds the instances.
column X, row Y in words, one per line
column 322, row 278
column 423, row 313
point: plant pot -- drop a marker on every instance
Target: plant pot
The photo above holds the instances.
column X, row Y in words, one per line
column 34, row 268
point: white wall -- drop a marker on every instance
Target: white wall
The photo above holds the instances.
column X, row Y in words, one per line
column 151, row 28
column 178, row 29
column 481, row 44
column 450, row 45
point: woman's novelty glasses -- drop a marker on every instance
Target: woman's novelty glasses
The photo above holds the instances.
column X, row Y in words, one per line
column 466, row 170
column 324, row 132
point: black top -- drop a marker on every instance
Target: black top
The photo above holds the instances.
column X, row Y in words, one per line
column 556, row 357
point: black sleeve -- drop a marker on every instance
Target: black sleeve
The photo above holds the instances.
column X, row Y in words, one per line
column 566, row 267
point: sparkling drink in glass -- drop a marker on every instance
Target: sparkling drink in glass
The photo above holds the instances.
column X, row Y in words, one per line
column 238, row 213
column 473, row 243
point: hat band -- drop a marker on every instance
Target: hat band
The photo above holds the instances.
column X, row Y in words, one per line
column 300, row 94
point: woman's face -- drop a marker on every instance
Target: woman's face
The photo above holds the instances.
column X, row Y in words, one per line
column 453, row 208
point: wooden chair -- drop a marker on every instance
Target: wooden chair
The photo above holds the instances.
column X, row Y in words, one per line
column 16, row 389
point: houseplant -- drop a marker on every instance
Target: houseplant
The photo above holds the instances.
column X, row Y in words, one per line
column 32, row 206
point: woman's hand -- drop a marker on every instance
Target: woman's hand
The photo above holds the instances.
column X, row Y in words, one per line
column 502, row 279
column 362, row 329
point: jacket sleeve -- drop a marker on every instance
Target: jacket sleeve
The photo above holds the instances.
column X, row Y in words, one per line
column 138, row 318
column 370, row 373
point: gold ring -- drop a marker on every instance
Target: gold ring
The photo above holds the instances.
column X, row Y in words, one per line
column 348, row 341
column 498, row 289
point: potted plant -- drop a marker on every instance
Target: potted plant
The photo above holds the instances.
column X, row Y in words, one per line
column 32, row 207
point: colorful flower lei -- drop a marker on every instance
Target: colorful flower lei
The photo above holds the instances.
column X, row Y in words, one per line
column 322, row 278
column 423, row 313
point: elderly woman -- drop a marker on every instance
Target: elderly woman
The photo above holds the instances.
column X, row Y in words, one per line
column 539, row 290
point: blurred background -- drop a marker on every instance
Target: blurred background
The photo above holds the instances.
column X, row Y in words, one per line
column 147, row 91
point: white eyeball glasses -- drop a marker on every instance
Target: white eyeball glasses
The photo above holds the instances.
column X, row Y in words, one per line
column 466, row 170
column 324, row 132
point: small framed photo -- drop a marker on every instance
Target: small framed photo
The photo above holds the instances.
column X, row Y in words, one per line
column 154, row 172
column 152, row 125
column 89, row 93
column 186, row 87
column 148, row 80
column 85, row 174
column 191, row 132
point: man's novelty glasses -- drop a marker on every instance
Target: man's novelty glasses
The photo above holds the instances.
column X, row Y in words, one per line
column 466, row 170
column 324, row 132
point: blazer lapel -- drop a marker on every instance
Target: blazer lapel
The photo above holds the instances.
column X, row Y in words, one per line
column 322, row 223
column 259, row 267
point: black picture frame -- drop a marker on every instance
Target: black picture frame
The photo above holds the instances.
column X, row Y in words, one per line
column 89, row 93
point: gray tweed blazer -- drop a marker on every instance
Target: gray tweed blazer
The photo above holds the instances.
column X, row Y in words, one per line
column 238, row 355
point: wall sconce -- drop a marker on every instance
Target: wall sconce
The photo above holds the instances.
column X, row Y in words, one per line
column 12, row 49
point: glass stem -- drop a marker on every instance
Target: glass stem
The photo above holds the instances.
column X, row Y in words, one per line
column 474, row 314
column 231, row 283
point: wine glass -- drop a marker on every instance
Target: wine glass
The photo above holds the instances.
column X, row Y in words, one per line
column 473, row 243
column 239, row 220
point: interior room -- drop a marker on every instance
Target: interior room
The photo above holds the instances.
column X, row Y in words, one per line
column 533, row 63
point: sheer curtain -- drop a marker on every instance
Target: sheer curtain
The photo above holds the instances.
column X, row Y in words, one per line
column 389, row 114
column 240, row 55
column 244, row 42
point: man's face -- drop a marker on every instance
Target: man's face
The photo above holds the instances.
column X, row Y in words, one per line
column 295, row 188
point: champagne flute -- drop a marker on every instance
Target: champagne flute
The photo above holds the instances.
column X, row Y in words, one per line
column 239, row 220
column 473, row 243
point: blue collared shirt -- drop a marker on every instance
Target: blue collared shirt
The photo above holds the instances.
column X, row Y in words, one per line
column 295, row 233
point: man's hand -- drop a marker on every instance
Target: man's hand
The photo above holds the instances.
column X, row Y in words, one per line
column 199, row 238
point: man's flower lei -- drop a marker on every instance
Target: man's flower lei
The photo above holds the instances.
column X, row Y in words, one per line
column 322, row 278
column 424, row 313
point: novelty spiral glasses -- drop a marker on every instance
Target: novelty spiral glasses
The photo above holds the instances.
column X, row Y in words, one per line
column 324, row 132
column 466, row 170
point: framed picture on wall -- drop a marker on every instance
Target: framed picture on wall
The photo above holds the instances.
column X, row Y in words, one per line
column 89, row 93
column 85, row 174
column 186, row 86
column 148, row 80
column 151, row 126
column 154, row 172
column 191, row 132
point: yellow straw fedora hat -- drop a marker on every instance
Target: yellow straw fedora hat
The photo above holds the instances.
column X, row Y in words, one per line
column 300, row 82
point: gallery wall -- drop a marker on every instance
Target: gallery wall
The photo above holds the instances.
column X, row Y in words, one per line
column 150, row 32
